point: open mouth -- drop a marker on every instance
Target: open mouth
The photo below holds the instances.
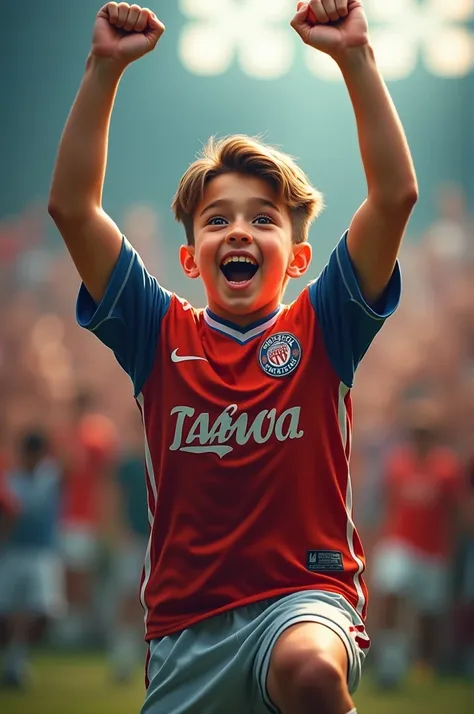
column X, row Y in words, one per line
column 239, row 269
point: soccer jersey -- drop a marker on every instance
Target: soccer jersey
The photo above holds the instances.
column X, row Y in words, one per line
column 247, row 439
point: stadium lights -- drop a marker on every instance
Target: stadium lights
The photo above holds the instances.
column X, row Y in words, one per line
column 454, row 56
column 250, row 30
column 432, row 30
column 255, row 33
column 268, row 54
column 203, row 52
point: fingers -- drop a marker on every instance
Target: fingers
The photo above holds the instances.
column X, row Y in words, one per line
column 341, row 7
column 111, row 9
column 123, row 10
column 142, row 20
column 319, row 11
column 131, row 18
column 329, row 10
column 155, row 29
column 300, row 20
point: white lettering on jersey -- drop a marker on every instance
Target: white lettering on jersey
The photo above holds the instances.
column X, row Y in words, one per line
column 206, row 438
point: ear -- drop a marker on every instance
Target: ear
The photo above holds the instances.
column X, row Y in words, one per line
column 188, row 262
column 300, row 260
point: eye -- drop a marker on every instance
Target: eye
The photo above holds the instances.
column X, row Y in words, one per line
column 264, row 217
column 212, row 221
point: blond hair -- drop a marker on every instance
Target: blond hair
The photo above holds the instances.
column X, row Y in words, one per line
column 246, row 155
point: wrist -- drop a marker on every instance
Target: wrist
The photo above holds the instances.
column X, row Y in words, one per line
column 352, row 58
column 106, row 69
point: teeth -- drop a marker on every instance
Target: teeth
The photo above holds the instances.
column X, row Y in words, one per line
column 239, row 259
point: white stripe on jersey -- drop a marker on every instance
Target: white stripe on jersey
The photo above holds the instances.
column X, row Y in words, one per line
column 346, row 436
column 242, row 337
column 151, row 479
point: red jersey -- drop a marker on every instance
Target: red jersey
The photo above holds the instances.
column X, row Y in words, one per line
column 92, row 448
column 422, row 496
column 248, row 435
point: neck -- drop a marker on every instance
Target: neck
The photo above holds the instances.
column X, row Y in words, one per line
column 244, row 319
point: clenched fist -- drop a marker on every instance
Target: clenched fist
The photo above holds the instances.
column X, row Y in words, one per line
column 124, row 32
column 331, row 26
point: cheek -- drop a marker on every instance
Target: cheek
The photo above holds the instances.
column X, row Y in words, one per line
column 206, row 255
column 206, row 261
column 277, row 258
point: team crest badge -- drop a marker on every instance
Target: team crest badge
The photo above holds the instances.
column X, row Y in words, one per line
column 280, row 354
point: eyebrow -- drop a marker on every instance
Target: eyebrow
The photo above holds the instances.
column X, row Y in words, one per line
column 225, row 201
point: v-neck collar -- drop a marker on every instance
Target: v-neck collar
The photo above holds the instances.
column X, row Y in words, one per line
column 242, row 335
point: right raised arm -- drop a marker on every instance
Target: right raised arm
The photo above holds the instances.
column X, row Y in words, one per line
column 122, row 34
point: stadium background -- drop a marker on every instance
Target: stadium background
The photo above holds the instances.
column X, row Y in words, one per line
column 166, row 108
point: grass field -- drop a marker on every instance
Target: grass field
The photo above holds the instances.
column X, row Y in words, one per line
column 82, row 686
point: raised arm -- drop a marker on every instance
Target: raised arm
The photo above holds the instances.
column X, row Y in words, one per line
column 122, row 34
column 339, row 28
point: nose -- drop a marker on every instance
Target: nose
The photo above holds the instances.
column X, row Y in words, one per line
column 239, row 236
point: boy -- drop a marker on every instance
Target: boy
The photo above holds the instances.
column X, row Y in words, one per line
column 252, row 586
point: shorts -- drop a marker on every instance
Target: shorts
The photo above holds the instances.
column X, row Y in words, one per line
column 79, row 547
column 220, row 665
column 398, row 569
column 32, row 580
column 128, row 566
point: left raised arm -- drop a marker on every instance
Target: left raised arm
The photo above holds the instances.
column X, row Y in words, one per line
column 339, row 28
column 378, row 226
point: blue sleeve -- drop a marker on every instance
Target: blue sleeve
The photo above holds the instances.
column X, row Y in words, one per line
column 129, row 317
column 348, row 323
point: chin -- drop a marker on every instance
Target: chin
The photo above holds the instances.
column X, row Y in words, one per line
column 245, row 310
column 240, row 306
column 251, row 301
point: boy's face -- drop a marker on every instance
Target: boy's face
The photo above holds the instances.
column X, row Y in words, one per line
column 243, row 248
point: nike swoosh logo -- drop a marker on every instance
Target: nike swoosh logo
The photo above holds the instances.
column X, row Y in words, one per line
column 186, row 358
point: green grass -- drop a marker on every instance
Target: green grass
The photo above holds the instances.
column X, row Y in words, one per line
column 82, row 686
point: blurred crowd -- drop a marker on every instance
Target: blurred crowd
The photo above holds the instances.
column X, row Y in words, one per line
column 73, row 515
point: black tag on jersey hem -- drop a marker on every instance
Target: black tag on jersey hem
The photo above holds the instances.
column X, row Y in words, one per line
column 324, row 561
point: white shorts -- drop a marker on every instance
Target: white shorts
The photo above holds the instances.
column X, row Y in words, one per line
column 31, row 580
column 221, row 664
column 398, row 569
column 128, row 566
column 79, row 547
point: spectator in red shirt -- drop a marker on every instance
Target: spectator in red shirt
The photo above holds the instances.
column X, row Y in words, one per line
column 88, row 450
column 411, row 568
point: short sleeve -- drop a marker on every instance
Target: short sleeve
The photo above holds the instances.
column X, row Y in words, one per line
column 128, row 319
column 348, row 323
